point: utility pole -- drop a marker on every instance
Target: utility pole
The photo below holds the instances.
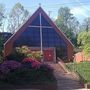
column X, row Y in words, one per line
column 49, row 13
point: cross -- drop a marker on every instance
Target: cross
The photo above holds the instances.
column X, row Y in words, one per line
column 39, row 4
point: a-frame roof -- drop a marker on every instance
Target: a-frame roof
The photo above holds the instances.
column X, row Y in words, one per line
column 29, row 21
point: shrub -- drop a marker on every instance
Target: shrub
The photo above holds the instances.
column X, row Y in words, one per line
column 46, row 72
column 28, row 53
column 1, row 58
column 7, row 66
column 27, row 60
column 31, row 63
column 46, row 68
column 23, row 49
column 28, row 75
column 17, row 56
column 22, row 76
column 36, row 55
column 19, row 53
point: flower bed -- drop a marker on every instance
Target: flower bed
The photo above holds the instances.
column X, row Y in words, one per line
column 19, row 53
column 30, row 62
column 23, row 66
column 28, row 71
column 6, row 66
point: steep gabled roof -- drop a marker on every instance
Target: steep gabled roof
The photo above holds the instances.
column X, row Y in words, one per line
column 29, row 21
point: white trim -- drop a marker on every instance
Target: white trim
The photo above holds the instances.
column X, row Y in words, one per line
column 40, row 26
column 54, row 56
column 41, row 44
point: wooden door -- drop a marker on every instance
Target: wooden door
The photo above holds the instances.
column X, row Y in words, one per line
column 48, row 55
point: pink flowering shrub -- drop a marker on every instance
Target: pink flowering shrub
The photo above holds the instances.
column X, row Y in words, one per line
column 27, row 60
column 6, row 66
column 32, row 63
column 35, row 64
column 29, row 70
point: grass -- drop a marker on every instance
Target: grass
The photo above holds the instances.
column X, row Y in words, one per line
column 83, row 69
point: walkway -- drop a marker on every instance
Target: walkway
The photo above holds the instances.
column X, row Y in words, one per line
column 65, row 81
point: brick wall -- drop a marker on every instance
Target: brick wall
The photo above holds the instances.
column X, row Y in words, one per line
column 79, row 57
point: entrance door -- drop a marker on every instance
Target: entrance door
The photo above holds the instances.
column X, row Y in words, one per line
column 48, row 55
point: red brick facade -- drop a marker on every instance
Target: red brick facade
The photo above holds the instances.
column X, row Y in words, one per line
column 79, row 57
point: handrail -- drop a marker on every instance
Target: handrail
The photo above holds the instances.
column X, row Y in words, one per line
column 62, row 64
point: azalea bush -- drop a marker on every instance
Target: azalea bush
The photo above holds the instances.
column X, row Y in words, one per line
column 7, row 66
column 23, row 49
column 31, row 63
column 28, row 53
column 25, row 76
column 37, row 55
column 26, row 72
column 1, row 58
column 19, row 53
column 46, row 67
column 17, row 56
column 24, row 66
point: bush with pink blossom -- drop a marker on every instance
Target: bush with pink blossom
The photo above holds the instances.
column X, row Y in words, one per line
column 7, row 66
column 24, row 65
column 28, row 71
column 31, row 63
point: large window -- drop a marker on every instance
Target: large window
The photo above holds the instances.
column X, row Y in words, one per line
column 50, row 38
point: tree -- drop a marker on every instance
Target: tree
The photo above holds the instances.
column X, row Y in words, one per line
column 16, row 17
column 67, row 23
column 84, row 42
column 1, row 49
column 2, row 16
column 1, row 44
column 86, row 24
column 82, row 38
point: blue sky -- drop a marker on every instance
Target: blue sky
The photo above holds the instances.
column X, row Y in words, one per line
column 80, row 10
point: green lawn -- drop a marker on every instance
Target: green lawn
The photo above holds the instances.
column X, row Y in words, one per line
column 83, row 69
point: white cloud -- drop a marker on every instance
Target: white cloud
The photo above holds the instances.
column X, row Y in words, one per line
column 79, row 11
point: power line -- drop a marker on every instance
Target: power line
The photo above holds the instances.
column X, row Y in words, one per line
column 64, row 4
column 72, row 3
column 53, row 5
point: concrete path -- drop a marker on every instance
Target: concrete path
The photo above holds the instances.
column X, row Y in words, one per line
column 65, row 81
